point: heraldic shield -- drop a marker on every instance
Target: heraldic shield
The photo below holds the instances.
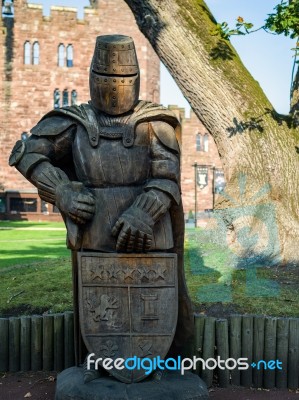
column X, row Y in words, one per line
column 128, row 306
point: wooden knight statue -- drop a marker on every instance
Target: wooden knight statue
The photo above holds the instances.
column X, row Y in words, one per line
column 112, row 167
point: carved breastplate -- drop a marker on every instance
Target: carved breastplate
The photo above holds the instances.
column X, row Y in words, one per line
column 110, row 163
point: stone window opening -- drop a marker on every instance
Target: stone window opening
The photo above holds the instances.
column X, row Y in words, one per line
column 61, row 55
column 56, row 98
column 27, row 53
column 65, row 98
column 69, row 56
column 198, row 142
column 206, row 142
column 35, row 53
column 74, row 97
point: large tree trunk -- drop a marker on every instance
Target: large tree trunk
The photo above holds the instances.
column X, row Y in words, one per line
column 257, row 146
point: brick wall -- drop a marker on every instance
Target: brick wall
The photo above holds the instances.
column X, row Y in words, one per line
column 190, row 155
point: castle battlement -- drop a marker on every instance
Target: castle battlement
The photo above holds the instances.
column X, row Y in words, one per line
column 90, row 10
column 35, row 6
column 64, row 9
column 70, row 14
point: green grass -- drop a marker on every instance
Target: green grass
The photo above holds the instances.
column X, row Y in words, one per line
column 36, row 288
column 217, row 287
column 35, row 268
column 26, row 224
column 21, row 244
column 35, row 275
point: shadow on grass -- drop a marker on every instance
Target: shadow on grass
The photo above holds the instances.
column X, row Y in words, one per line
column 22, row 309
column 32, row 254
column 220, row 282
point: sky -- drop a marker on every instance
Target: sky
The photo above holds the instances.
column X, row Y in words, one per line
column 268, row 58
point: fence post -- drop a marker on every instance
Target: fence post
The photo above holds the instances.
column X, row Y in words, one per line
column 199, row 322
column 270, row 352
column 222, row 350
column 235, row 345
column 48, row 342
column 14, row 344
column 58, row 342
column 247, row 348
column 282, row 343
column 36, row 342
column 208, row 348
column 69, row 351
column 258, row 349
column 4, row 344
column 293, row 363
column 25, row 343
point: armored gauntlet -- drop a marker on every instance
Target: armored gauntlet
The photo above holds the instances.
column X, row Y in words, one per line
column 75, row 201
column 72, row 198
column 135, row 226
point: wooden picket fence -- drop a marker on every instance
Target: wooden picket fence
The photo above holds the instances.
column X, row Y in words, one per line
column 46, row 343
column 37, row 343
column 253, row 337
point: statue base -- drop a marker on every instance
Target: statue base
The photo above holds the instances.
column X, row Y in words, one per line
column 172, row 385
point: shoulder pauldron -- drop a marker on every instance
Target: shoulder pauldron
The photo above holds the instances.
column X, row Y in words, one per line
column 52, row 126
column 57, row 121
column 166, row 134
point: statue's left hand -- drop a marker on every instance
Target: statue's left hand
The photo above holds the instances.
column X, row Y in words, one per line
column 133, row 231
column 75, row 201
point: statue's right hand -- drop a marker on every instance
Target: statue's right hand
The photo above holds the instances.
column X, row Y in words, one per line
column 75, row 201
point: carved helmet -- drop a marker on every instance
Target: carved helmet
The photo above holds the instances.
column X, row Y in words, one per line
column 114, row 79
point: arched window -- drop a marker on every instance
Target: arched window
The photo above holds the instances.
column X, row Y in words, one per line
column 27, row 53
column 61, row 55
column 206, row 142
column 56, row 98
column 35, row 53
column 65, row 98
column 74, row 97
column 198, row 142
column 69, row 55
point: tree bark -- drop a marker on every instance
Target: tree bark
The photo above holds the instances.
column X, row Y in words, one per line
column 254, row 142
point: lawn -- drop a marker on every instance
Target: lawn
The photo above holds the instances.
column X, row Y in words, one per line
column 35, row 268
column 217, row 287
column 25, row 242
column 35, row 272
